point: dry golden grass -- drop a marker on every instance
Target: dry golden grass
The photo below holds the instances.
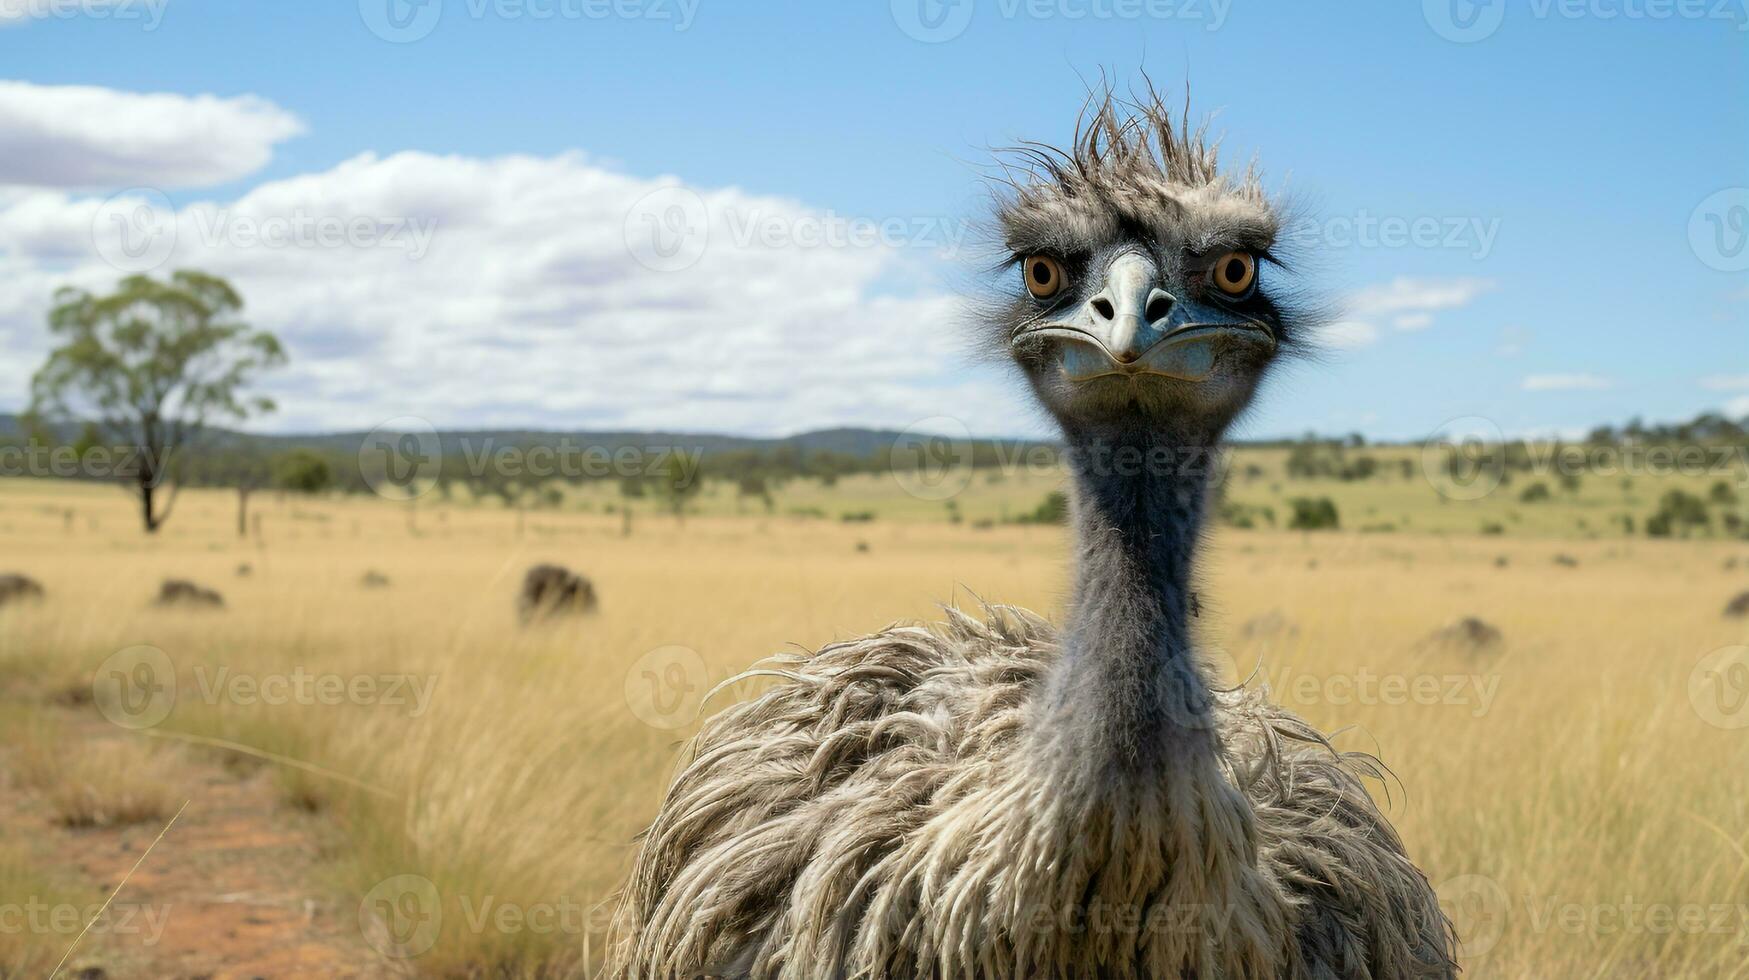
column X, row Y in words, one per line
column 107, row 782
column 26, row 948
column 1579, row 803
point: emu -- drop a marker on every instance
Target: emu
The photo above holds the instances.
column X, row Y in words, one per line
column 992, row 797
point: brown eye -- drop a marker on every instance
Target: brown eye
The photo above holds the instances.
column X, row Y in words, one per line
column 1234, row 273
column 1043, row 274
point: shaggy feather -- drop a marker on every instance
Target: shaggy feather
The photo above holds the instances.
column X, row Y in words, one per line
column 877, row 816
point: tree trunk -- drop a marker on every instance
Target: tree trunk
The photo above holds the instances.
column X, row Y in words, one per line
column 242, row 512
column 147, row 489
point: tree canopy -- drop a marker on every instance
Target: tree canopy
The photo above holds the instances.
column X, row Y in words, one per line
column 152, row 364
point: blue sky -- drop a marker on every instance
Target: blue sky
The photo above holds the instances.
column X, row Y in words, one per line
column 1554, row 167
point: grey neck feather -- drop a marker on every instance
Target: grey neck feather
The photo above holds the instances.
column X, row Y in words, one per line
column 1128, row 699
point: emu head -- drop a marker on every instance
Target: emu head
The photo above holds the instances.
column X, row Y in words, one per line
column 1142, row 293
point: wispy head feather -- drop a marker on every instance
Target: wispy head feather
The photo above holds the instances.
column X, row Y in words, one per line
column 1134, row 165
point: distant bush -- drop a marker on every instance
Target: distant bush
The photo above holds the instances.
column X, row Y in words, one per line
column 1313, row 514
column 1312, row 460
column 1246, row 515
column 1723, row 493
column 857, row 516
column 1679, row 513
column 1535, row 493
column 302, row 471
column 1054, row 510
column 1493, row 528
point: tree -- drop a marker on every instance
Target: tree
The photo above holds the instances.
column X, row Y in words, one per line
column 244, row 468
column 303, row 471
column 753, row 485
column 152, row 364
column 677, row 482
column 1678, row 512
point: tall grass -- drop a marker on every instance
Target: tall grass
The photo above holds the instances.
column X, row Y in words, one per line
column 1587, row 786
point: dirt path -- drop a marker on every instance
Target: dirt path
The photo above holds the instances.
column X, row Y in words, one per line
column 227, row 893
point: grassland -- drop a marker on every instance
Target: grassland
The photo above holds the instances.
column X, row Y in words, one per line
column 1578, row 793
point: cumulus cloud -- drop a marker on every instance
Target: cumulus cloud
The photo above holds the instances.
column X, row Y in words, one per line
column 86, row 137
column 1409, row 297
column 1566, row 382
column 1726, row 382
column 1348, row 335
column 485, row 292
column 1409, row 304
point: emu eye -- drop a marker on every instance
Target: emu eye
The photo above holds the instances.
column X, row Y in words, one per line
column 1043, row 274
column 1234, row 273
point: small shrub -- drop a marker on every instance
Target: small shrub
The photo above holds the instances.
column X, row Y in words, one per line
column 1535, row 493
column 187, row 595
column 109, row 783
column 1246, row 515
column 1313, row 514
column 1053, row 510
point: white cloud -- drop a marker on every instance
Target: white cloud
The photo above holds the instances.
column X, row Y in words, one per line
column 1409, row 304
column 527, row 302
column 1348, row 335
column 1412, row 296
column 1738, row 407
column 85, row 137
column 1566, row 382
column 1726, row 382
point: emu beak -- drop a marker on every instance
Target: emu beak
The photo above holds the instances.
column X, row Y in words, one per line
column 1133, row 327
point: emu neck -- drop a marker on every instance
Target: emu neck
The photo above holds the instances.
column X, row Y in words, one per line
column 1128, row 697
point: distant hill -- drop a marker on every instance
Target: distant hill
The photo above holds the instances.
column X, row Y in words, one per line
column 845, row 441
